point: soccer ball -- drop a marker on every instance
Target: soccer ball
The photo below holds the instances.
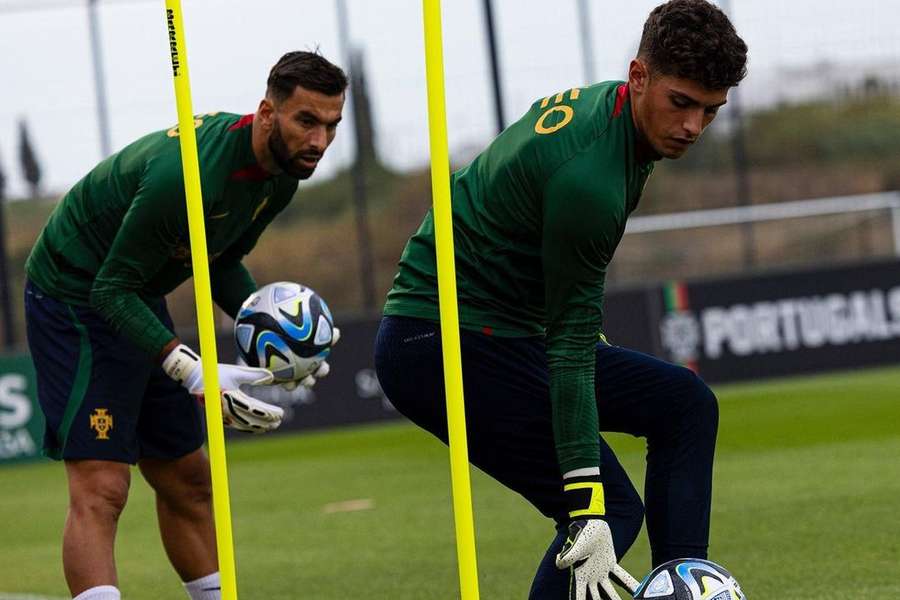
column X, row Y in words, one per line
column 286, row 328
column 689, row 579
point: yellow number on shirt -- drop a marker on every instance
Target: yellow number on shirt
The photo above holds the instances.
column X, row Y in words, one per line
column 556, row 117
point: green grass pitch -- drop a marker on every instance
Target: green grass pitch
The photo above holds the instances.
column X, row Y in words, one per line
column 805, row 507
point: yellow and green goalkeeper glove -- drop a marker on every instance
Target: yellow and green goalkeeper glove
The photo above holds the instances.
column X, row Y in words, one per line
column 589, row 549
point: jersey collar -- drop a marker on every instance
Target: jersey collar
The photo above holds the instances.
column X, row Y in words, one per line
column 621, row 97
column 621, row 108
column 254, row 171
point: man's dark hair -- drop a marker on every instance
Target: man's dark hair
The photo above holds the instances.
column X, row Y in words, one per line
column 309, row 70
column 693, row 39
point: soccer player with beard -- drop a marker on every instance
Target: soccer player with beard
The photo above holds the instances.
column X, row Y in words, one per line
column 115, row 384
column 536, row 219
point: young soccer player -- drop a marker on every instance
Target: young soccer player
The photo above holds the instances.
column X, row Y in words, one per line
column 114, row 382
column 537, row 217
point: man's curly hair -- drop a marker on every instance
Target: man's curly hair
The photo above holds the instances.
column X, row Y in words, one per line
column 693, row 39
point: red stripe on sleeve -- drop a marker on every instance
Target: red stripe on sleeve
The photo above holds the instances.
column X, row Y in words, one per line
column 242, row 122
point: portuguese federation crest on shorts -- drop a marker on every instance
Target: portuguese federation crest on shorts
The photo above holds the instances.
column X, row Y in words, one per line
column 102, row 423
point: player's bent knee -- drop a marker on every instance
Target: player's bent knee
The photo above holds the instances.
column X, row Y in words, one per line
column 195, row 483
column 191, row 487
column 696, row 400
column 99, row 496
column 706, row 405
column 701, row 413
column 198, row 489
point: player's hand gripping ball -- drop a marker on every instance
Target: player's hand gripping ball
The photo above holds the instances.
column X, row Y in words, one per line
column 286, row 328
column 689, row 579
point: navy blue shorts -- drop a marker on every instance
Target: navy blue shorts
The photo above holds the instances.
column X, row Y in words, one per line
column 103, row 398
column 510, row 428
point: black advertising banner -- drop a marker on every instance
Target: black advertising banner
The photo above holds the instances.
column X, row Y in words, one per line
column 628, row 318
column 731, row 329
column 783, row 324
column 351, row 394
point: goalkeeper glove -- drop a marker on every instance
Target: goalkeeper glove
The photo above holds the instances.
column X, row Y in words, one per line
column 239, row 410
column 321, row 371
column 589, row 547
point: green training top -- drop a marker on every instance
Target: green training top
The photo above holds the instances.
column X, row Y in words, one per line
column 120, row 236
column 536, row 218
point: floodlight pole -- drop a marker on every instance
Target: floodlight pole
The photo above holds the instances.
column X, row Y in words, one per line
column 895, row 221
column 99, row 78
column 739, row 152
column 742, row 176
column 495, row 65
column 360, row 189
column 9, row 334
column 587, row 43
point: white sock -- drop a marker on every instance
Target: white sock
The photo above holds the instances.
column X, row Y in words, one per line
column 101, row 592
column 205, row 588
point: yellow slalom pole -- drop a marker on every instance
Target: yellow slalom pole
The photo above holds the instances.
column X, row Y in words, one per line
column 203, row 294
column 446, row 268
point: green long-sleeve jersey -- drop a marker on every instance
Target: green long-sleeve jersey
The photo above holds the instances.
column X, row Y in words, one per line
column 536, row 218
column 120, row 237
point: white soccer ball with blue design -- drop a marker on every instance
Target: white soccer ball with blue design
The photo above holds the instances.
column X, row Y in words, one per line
column 286, row 328
column 689, row 579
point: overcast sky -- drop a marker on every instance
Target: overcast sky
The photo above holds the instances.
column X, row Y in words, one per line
column 48, row 79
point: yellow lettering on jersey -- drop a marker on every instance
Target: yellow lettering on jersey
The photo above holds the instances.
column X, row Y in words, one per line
column 174, row 131
column 573, row 95
column 541, row 127
column 198, row 121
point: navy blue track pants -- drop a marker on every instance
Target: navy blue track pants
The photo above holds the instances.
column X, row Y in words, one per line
column 510, row 433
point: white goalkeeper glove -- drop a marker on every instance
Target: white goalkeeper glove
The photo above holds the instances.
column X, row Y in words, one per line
column 239, row 410
column 589, row 550
column 321, row 371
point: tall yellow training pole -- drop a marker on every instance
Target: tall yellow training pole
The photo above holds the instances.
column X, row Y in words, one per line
column 446, row 267
column 202, row 291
